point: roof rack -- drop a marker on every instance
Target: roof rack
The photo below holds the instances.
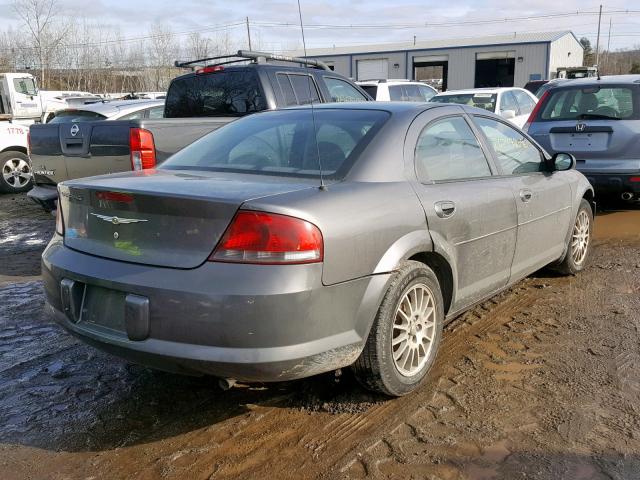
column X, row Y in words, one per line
column 244, row 55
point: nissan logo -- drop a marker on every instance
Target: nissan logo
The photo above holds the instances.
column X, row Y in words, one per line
column 75, row 129
column 580, row 127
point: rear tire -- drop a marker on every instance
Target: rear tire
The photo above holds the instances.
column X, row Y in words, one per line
column 579, row 241
column 404, row 339
column 16, row 174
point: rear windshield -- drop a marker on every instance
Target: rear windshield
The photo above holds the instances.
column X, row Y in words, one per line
column 590, row 103
column 219, row 94
column 480, row 100
column 283, row 143
column 75, row 116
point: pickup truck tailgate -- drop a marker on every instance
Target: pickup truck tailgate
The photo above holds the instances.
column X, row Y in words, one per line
column 60, row 151
column 63, row 151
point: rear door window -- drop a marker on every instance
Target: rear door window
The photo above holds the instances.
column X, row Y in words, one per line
column 287, row 89
column 591, row 103
column 447, row 149
column 219, row 94
column 396, row 93
column 304, row 88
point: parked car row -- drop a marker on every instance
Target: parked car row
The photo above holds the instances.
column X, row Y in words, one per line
column 276, row 223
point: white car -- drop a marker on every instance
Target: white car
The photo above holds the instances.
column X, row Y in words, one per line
column 513, row 104
column 16, row 174
column 398, row 90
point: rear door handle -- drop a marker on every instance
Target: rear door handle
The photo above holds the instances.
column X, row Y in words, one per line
column 444, row 208
column 526, row 195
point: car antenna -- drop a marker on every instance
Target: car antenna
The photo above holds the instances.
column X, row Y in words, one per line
column 313, row 116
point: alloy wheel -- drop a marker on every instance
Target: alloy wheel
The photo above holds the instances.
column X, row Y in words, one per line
column 580, row 238
column 413, row 330
column 16, row 172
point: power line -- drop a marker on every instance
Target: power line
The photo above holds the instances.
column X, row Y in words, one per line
column 449, row 24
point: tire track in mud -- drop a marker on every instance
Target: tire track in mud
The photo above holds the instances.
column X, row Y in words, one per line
column 319, row 443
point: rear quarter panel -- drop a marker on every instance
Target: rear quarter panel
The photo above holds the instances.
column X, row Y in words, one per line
column 367, row 227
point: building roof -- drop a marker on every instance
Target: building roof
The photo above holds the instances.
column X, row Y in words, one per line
column 511, row 39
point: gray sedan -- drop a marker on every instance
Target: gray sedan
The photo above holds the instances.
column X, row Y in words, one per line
column 295, row 242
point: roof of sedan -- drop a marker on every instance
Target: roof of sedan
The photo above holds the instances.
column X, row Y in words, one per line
column 393, row 107
column 112, row 107
column 490, row 90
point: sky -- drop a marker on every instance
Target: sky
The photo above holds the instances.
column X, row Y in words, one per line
column 358, row 22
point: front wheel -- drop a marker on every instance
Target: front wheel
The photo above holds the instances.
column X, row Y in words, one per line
column 17, row 175
column 579, row 242
column 405, row 336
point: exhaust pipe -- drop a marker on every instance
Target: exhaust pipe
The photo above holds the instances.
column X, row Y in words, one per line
column 627, row 196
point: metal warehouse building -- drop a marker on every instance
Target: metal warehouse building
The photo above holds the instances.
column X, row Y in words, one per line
column 505, row 60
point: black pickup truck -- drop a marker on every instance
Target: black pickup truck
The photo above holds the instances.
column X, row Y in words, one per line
column 197, row 103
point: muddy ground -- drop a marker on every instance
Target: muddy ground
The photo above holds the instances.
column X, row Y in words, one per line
column 541, row 382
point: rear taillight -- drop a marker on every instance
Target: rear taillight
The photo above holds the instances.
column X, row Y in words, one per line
column 59, row 219
column 634, row 179
column 536, row 109
column 143, row 149
column 269, row 238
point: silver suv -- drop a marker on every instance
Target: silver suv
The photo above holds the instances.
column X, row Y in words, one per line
column 598, row 121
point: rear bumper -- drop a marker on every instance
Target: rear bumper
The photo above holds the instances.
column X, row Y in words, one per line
column 613, row 183
column 44, row 195
column 248, row 322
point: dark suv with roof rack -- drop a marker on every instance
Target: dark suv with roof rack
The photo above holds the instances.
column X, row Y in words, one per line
column 210, row 96
column 598, row 121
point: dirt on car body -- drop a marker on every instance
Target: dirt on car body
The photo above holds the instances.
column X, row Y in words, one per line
column 542, row 381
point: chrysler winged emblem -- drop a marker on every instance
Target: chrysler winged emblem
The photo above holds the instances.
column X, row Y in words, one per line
column 580, row 127
column 118, row 220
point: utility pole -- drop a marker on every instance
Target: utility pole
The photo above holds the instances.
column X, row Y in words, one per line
column 249, row 31
column 609, row 43
column 598, row 40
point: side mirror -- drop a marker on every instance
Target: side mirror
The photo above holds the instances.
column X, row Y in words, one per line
column 563, row 161
column 508, row 114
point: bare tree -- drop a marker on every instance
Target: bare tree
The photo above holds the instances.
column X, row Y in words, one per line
column 39, row 18
column 197, row 46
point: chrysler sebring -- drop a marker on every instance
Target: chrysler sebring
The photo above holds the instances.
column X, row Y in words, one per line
column 301, row 241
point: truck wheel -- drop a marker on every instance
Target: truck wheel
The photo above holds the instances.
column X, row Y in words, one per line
column 405, row 335
column 17, row 175
column 579, row 242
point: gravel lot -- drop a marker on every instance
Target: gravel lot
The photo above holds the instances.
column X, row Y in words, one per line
column 541, row 382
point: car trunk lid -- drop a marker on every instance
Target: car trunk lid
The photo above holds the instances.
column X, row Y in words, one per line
column 161, row 218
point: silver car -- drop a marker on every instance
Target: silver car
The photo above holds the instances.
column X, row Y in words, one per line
column 598, row 121
column 110, row 110
column 300, row 241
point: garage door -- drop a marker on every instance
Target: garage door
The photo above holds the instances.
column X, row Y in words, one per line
column 377, row 69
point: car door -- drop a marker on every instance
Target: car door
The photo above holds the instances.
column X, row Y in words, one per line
column 471, row 214
column 543, row 197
